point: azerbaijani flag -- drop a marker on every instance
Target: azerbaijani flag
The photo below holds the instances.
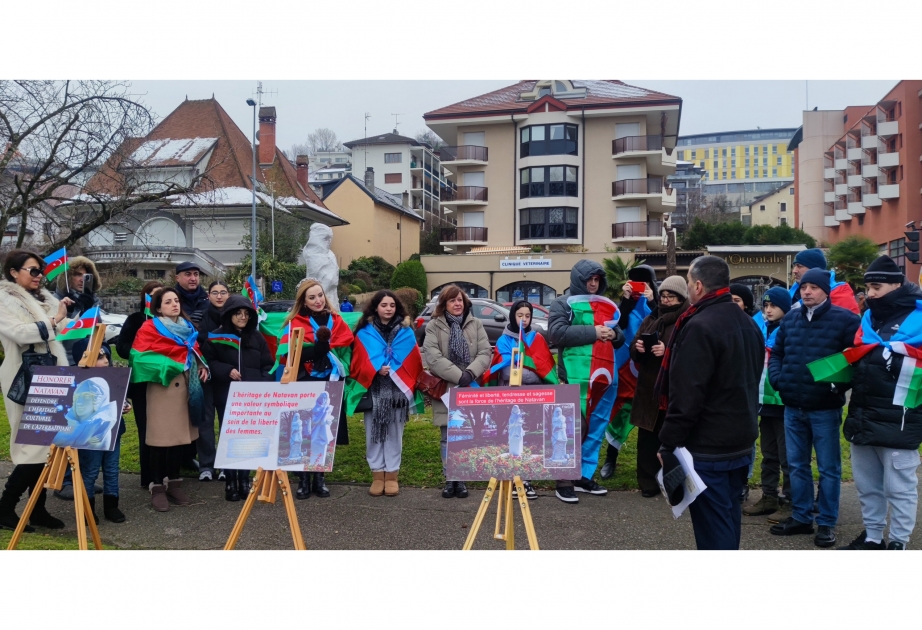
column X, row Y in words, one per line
column 594, row 369
column 251, row 292
column 55, row 264
column 620, row 427
column 273, row 328
column 767, row 394
column 80, row 327
column 226, row 338
column 341, row 339
column 370, row 352
column 840, row 294
column 157, row 355
column 907, row 341
column 536, row 357
column 147, row 300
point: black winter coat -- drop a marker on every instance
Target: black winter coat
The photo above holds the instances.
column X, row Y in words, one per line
column 873, row 419
column 211, row 320
column 194, row 305
column 801, row 341
column 714, row 375
column 255, row 358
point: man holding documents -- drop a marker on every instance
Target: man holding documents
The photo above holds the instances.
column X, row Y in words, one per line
column 709, row 383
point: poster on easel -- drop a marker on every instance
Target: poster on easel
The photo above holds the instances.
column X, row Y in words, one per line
column 500, row 432
column 73, row 406
column 278, row 426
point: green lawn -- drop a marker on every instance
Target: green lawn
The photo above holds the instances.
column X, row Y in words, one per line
column 421, row 463
column 42, row 541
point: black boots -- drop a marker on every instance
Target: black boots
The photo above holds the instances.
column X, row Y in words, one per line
column 243, row 484
column 311, row 483
column 318, row 487
column 110, row 509
column 611, row 461
column 231, row 492
column 20, row 480
column 304, row 486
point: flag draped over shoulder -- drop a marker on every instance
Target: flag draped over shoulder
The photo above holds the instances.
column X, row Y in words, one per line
column 537, row 357
column 619, row 427
column 370, row 353
column 767, row 394
column 80, row 327
column 341, row 339
column 840, row 294
column 907, row 341
column 157, row 355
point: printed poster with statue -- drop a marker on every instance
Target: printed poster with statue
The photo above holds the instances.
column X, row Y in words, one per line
column 275, row 426
column 530, row 431
column 72, row 406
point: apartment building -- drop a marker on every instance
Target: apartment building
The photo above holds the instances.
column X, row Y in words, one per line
column 774, row 208
column 687, row 181
column 554, row 164
column 871, row 172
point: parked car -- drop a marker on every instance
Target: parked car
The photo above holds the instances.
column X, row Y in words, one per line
column 113, row 323
column 539, row 312
column 493, row 315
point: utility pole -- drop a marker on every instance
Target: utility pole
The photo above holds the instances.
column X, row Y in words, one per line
column 670, row 245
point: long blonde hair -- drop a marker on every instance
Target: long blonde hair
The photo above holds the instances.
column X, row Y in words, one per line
column 300, row 300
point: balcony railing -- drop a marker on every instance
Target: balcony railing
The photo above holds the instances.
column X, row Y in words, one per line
column 829, row 210
column 637, row 229
column 636, row 143
column 464, row 193
column 464, row 152
column 464, row 234
column 648, row 186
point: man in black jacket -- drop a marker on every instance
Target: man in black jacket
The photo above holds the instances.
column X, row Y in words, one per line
column 885, row 437
column 812, row 411
column 192, row 294
column 711, row 374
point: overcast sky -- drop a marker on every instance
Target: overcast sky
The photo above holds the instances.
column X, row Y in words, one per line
column 302, row 106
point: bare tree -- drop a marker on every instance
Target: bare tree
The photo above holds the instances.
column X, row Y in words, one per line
column 430, row 138
column 58, row 135
column 319, row 140
column 710, row 209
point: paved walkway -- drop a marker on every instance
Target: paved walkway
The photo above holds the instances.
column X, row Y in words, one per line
column 419, row 518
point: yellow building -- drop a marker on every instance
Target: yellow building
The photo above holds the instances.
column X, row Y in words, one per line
column 773, row 208
column 380, row 224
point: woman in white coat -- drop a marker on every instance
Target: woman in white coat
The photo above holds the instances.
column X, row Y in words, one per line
column 25, row 309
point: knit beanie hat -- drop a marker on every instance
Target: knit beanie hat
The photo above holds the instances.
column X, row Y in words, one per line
column 744, row 293
column 779, row 297
column 675, row 284
column 884, row 270
column 811, row 259
column 819, row 277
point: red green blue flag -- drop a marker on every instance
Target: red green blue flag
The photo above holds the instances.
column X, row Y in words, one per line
column 158, row 355
column 768, row 395
column 341, row 339
column 80, row 327
column 225, row 338
column 537, row 357
column 55, row 264
column 147, row 300
column 620, row 427
column 370, row 353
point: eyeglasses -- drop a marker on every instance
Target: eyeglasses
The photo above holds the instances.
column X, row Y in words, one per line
column 667, row 296
column 35, row 272
column 219, row 293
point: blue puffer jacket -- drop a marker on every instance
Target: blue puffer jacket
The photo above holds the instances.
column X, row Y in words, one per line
column 801, row 341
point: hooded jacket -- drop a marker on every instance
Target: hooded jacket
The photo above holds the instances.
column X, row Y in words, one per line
column 82, row 301
column 560, row 328
column 640, row 273
column 255, row 360
column 873, row 419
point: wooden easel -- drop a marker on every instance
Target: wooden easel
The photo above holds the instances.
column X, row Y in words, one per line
column 267, row 482
column 506, row 530
column 52, row 477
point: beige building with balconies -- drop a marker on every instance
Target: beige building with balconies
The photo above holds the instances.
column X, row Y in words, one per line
column 558, row 165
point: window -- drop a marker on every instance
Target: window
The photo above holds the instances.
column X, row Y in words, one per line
column 723, row 152
column 548, row 181
column 393, row 178
column 778, row 162
column 547, row 223
column 747, row 172
column 747, row 150
column 341, row 160
column 761, row 208
column 774, row 172
column 784, row 207
column 725, row 164
column 790, row 191
column 715, row 163
column 897, row 248
column 549, row 140
column 784, row 221
column 733, row 163
column 733, row 151
column 775, row 149
column 681, row 155
column 484, row 311
column 393, row 158
column 725, row 174
column 765, row 161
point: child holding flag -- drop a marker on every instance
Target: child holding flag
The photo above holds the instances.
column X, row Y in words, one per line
column 236, row 351
column 385, row 363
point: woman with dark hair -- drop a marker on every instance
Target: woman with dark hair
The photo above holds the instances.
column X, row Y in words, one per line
column 137, row 392
column 218, row 295
column 387, row 337
column 456, row 349
column 205, row 445
column 251, row 362
column 30, row 317
column 166, row 357
column 324, row 332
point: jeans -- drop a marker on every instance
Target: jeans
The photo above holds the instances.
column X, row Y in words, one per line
column 90, row 464
column 806, row 430
column 647, row 462
column 886, row 476
column 716, row 513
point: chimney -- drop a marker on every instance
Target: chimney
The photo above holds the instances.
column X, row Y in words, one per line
column 370, row 179
column 302, row 163
column 406, row 199
column 266, row 135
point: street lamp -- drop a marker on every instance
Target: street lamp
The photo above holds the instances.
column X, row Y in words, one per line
column 252, row 104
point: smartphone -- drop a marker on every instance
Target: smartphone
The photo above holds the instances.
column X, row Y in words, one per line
column 637, row 288
column 649, row 340
column 88, row 284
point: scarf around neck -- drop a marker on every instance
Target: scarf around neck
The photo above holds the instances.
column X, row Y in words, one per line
column 185, row 334
column 385, row 395
column 458, row 352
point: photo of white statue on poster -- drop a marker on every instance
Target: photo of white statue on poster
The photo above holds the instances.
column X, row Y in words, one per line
column 307, row 436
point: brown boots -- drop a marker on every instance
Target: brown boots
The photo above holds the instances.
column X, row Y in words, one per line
column 158, row 498
column 175, row 492
column 391, row 488
column 377, row 485
column 169, row 490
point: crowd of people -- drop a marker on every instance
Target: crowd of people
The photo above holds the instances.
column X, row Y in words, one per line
column 714, row 373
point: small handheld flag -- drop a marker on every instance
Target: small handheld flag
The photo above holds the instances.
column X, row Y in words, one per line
column 282, row 347
column 147, row 300
column 227, row 339
column 80, row 327
column 251, row 292
column 55, row 264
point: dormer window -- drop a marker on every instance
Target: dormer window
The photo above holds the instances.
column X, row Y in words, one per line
column 558, row 89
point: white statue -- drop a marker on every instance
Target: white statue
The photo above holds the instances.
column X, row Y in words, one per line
column 321, row 262
column 321, row 431
column 559, row 436
column 515, row 432
column 295, row 437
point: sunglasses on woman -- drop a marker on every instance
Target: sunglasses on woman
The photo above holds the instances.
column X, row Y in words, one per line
column 35, row 272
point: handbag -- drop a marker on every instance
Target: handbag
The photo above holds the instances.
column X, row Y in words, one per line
column 431, row 385
column 365, row 403
column 19, row 388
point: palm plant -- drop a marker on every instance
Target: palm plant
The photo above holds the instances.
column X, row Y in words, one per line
column 616, row 274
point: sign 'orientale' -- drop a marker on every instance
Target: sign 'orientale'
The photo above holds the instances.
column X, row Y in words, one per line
column 763, row 259
column 533, row 263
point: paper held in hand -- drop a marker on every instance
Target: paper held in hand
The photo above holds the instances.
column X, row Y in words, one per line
column 693, row 484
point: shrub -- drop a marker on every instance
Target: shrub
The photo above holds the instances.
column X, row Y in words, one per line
column 410, row 274
column 409, row 297
column 378, row 271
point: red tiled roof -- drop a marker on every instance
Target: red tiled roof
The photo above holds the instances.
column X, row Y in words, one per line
column 506, row 100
